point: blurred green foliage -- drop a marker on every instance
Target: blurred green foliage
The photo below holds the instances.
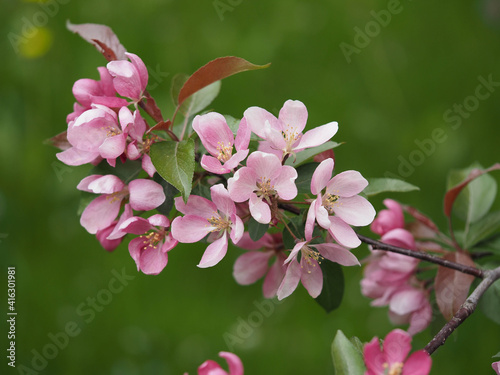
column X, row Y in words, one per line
column 387, row 100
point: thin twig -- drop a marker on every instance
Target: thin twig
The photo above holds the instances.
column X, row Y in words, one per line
column 467, row 308
column 423, row 256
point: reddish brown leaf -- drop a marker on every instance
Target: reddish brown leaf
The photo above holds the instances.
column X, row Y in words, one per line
column 162, row 125
column 215, row 70
column 452, row 194
column 150, row 106
column 421, row 218
column 60, row 141
column 102, row 37
column 452, row 287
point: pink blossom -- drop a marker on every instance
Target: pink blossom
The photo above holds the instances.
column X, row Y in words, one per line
column 88, row 92
column 340, row 206
column 110, row 237
column 391, row 358
column 253, row 265
column 308, row 270
column 143, row 195
column 496, row 367
column 217, row 218
column 212, row 368
column 263, row 179
column 219, row 140
column 410, row 305
column 130, row 78
column 389, row 219
column 149, row 251
column 283, row 135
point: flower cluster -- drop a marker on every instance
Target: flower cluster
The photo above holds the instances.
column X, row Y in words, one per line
column 249, row 183
column 389, row 278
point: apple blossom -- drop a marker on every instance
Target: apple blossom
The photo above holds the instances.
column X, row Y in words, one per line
column 340, row 206
column 130, row 78
column 496, row 367
column 111, row 236
column 389, row 219
column 143, row 195
column 283, row 135
column 217, row 218
column 391, row 358
column 262, row 180
column 210, row 367
column 149, row 251
column 219, row 140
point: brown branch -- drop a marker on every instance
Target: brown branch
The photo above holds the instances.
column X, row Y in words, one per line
column 423, row 256
column 467, row 308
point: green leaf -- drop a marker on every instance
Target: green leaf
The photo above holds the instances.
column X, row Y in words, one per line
column 214, row 70
column 200, row 99
column 256, row 230
column 309, row 153
column 347, row 360
column 482, row 229
column 382, row 185
column 491, row 244
column 333, row 286
column 471, row 192
column 490, row 301
column 357, row 344
column 174, row 161
column 170, row 193
column 303, row 181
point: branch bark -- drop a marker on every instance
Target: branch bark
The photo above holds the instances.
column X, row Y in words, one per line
column 467, row 308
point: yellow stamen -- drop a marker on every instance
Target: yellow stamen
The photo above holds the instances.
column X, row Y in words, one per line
column 225, row 151
column 219, row 223
column 330, row 201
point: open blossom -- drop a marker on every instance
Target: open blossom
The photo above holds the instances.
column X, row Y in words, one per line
column 111, row 236
column 254, row 264
column 308, row 270
column 283, row 135
column 217, row 218
column 340, row 205
column 496, row 367
column 389, row 219
column 219, row 140
column 263, row 179
column 391, row 358
column 130, row 78
column 143, row 195
column 149, row 251
column 88, row 91
column 210, row 367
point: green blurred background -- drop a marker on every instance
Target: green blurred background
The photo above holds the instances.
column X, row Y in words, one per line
column 394, row 92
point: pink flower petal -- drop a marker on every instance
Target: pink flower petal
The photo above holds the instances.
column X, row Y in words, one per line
column 74, row 156
column 347, row 184
column 214, row 252
column 285, row 183
column 419, row 363
column 213, row 132
column 293, row 254
column 313, row 278
column 247, row 243
column 421, row 318
column 337, row 254
column 264, row 165
column 145, row 195
column 190, row 228
column 242, row 184
column 259, row 209
column 135, row 247
column 321, row 176
column 274, row 277
column 397, row 345
column 236, row 159
column 113, row 147
column 310, row 221
column 213, row 165
column 141, row 69
column 322, row 216
column 197, row 206
column 153, row 260
column 147, row 165
column 107, row 184
column 234, row 363
column 100, row 213
column 211, row 368
column 374, row 357
column 237, row 229
column 401, row 238
column 317, row 136
column 159, row 220
column 293, row 114
column 251, row 266
column 102, row 237
column 136, row 225
column 406, row 301
column 126, row 79
column 496, row 367
column 242, row 136
column 343, row 233
column 275, row 138
column 256, row 119
column 354, row 210
column 117, row 232
column 222, row 200
column 290, row 281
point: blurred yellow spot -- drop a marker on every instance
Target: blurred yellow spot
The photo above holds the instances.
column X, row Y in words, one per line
column 37, row 45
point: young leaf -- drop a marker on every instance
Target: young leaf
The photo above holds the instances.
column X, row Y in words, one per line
column 482, row 229
column 309, row 153
column 347, row 360
column 200, row 99
column 333, row 286
column 256, row 230
column 174, row 161
column 214, row 70
column 452, row 194
column 452, row 287
column 303, row 181
column 382, row 185
column 475, row 200
column 102, row 37
column 60, row 141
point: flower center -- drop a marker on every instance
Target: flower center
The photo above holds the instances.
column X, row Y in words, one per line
column 309, row 253
column 291, row 136
column 264, row 188
column 225, row 152
column 111, row 131
column 119, row 195
column 218, row 223
column 148, row 142
column 329, row 201
column 395, row 369
column 153, row 238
